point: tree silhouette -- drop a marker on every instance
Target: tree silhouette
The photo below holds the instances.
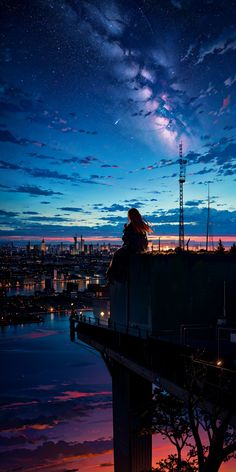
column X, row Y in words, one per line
column 220, row 248
column 199, row 425
column 233, row 249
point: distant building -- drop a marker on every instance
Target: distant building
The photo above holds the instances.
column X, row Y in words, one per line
column 100, row 301
column 48, row 285
column 43, row 246
column 76, row 247
column 81, row 244
column 28, row 247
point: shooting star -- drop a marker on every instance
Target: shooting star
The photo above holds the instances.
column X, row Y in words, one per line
column 146, row 20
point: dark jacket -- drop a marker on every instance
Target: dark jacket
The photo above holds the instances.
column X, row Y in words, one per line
column 135, row 242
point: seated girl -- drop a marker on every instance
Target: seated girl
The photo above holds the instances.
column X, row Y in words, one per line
column 134, row 241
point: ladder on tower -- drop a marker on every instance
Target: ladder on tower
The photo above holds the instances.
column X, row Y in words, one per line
column 182, row 169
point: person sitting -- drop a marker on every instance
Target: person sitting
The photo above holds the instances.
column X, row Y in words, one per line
column 134, row 241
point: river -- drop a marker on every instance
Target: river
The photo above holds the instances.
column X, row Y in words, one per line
column 29, row 289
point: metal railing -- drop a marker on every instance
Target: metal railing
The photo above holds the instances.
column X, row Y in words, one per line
column 185, row 335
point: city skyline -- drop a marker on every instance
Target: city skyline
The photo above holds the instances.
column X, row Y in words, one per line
column 95, row 98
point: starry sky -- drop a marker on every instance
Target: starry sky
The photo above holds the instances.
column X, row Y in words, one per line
column 95, row 98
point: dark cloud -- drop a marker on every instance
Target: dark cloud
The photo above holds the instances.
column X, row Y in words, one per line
column 114, row 207
column 55, row 218
column 54, row 174
column 73, row 209
column 20, row 440
column 113, row 166
column 34, row 190
column 87, row 160
column 9, row 165
column 229, row 127
column 193, row 203
column 219, row 154
column 52, row 451
column 7, row 137
column 48, row 174
column 205, row 171
column 8, row 213
column 14, row 423
column 106, row 464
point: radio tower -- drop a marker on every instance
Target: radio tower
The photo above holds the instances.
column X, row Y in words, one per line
column 182, row 165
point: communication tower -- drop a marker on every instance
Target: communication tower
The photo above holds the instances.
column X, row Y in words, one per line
column 182, row 167
column 209, row 236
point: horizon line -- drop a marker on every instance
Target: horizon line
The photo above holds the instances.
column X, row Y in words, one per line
column 154, row 238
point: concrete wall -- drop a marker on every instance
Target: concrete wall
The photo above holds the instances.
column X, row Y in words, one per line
column 168, row 290
column 118, row 297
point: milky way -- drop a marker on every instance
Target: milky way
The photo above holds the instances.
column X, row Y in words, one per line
column 95, row 98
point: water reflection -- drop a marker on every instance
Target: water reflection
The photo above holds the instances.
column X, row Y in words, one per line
column 56, row 405
column 55, row 401
column 59, row 286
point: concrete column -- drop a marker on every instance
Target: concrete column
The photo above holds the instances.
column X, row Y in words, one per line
column 131, row 398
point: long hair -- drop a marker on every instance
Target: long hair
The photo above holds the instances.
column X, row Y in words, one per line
column 139, row 224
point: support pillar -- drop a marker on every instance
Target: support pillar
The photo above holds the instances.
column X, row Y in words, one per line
column 131, row 397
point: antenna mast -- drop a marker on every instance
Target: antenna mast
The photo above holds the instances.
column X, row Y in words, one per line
column 182, row 164
column 208, row 217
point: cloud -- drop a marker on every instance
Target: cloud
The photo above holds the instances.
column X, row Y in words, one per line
column 224, row 43
column 51, row 451
column 8, row 213
column 205, row 171
column 9, row 165
column 106, row 464
column 34, row 190
column 230, row 81
column 87, row 160
column 40, row 423
column 48, row 174
column 94, row 179
column 56, row 219
column 73, row 209
column 219, row 154
column 113, row 166
column 193, row 203
column 7, row 137
column 114, row 208
column 20, row 440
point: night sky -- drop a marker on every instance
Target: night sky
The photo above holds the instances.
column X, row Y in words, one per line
column 95, row 98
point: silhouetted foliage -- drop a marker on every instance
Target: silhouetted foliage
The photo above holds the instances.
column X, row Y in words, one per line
column 233, row 249
column 220, row 248
column 199, row 424
column 172, row 464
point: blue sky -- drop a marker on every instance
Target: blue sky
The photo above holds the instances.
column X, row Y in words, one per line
column 95, row 98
